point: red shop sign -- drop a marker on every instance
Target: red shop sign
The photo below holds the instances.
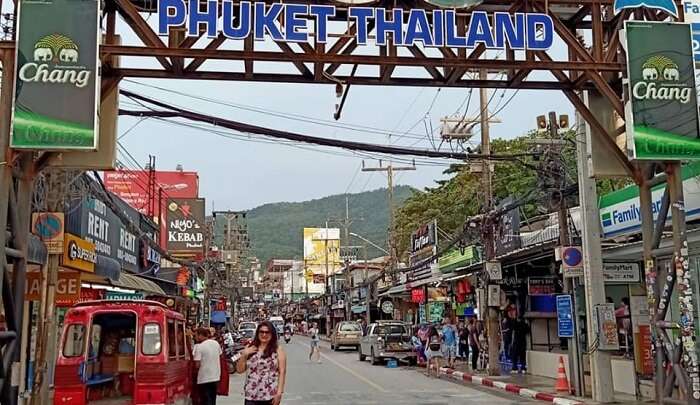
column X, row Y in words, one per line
column 418, row 295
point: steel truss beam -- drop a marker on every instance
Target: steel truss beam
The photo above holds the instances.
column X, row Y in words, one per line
column 598, row 65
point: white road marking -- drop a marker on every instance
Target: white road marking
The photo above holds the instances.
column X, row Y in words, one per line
column 352, row 372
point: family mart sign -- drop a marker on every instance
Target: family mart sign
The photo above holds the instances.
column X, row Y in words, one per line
column 620, row 211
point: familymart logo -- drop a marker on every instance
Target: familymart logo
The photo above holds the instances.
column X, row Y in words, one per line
column 661, row 81
column 55, row 61
column 627, row 215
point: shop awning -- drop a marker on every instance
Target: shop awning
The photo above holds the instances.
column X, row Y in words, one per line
column 107, row 267
column 397, row 289
column 138, row 283
column 36, row 250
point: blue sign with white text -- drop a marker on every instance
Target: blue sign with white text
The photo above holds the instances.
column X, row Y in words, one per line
column 406, row 27
column 565, row 316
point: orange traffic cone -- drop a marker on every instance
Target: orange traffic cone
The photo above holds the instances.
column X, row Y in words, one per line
column 562, row 384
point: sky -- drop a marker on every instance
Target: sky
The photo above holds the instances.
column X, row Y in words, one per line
column 239, row 171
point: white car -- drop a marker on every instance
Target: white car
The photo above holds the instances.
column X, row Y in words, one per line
column 247, row 325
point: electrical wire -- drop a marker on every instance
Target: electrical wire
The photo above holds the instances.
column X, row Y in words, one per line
column 283, row 115
column 172, row 111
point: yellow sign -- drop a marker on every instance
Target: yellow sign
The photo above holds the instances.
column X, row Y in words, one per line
column 78, row 254
column 308, row 275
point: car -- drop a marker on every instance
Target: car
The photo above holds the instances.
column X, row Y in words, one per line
column 247, row 325
column 387, row 339
column 346, row 333
column 278, row 322
column 247, row 336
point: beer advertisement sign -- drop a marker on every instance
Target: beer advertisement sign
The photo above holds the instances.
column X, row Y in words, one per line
column 662, row 111
column 56, row 61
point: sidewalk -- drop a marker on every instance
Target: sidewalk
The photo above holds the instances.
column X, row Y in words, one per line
column 524, row 385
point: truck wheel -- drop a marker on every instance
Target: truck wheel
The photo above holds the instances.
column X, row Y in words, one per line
column 361, row 356
column 374, row 360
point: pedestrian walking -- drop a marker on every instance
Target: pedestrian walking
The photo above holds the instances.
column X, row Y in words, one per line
column 473, row 332
column 266, row 363
column 315, row 347
column 206, row 355
column 433, row 352
column 449, row 342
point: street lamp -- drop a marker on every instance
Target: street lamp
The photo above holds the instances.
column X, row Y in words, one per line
column 369, row 241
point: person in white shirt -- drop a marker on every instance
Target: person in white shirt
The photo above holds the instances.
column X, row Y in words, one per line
column 206, row 354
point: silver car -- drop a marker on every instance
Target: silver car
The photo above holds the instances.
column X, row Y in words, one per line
column 387, row 339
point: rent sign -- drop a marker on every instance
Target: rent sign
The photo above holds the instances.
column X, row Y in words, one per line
column 57, row 60
column 436, row 28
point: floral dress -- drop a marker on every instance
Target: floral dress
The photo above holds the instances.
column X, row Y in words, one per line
column 263, row 377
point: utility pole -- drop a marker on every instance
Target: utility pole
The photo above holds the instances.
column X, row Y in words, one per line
column 492, row 321
column 46, row 345
column 390, row 169
column 594, row 283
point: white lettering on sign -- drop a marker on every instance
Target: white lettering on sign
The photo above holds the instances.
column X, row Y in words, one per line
column 34, row 72
column 98, row 227
column 75, row 252
column 127, row 240
column 646, row 90
column 67, row 286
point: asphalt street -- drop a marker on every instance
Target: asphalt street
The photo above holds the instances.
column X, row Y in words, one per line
column 342, row 379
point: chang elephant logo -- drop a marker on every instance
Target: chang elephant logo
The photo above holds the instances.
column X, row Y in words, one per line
column 660, row 80
column 56, row 48
column 61, row 52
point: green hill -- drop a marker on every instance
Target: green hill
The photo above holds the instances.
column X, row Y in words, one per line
column 276, row 229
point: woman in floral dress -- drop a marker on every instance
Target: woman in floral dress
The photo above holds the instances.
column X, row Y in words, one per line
column 266, row 363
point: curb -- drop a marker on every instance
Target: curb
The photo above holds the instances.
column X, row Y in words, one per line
column 511, row 388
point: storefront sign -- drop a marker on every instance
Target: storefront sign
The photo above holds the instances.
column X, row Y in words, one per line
column 93, row 220
column 78, row 254
column 644, row 351
column 56, row 60
column 691, row 14
column 621, row 272
column 387, row 306
column 185, row 226
column 541, row 285
column 532, row 31
column 418, row 295
column 508, row 236
column 32, row 288
column 456, row 258
column 565, row 316
column 91, row 294
column 662, row 115
column 67, row 288
column 620, row 210
column 493, row 269
column 438, row 294
column 123, row 296
column 49, row 227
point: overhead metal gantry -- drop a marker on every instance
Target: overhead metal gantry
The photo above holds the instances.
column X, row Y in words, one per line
column 596, row 63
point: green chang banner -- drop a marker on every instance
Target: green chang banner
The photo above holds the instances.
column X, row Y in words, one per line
column 662, row 112
column 56, row 84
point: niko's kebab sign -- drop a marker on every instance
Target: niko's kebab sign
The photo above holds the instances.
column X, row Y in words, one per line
column 240, row 20
column 662, row 112
column 56, row 84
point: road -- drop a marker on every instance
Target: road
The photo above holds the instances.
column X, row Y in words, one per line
column 342, row 379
